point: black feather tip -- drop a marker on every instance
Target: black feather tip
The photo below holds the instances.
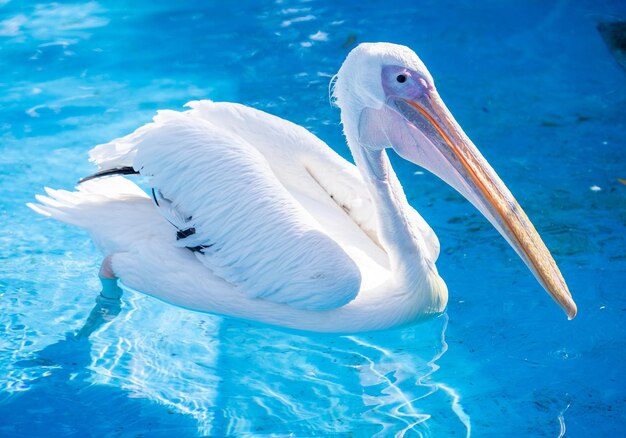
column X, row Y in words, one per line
column 110, row 172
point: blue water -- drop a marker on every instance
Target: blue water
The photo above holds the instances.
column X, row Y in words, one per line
column 531, row 82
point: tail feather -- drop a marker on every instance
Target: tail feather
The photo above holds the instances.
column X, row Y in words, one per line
column 115, row 212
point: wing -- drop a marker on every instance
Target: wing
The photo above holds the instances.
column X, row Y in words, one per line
column 252, row 232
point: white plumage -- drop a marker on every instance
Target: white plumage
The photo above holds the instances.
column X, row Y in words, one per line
column 284, row 230
column 289, row 220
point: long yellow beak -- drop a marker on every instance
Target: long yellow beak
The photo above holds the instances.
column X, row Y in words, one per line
column 457, row 161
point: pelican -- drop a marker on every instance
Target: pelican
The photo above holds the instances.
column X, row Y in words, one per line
column 253, row 217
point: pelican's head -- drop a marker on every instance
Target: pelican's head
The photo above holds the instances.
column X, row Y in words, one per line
column 388, row 99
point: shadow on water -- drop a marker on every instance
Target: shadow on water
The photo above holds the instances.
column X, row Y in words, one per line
column 159, row 370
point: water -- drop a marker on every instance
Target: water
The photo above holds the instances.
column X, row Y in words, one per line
column 533, row 85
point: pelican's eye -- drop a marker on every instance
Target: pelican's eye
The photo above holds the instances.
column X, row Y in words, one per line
column 400, row 81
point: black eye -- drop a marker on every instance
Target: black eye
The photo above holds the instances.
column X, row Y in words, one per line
column 401, row 78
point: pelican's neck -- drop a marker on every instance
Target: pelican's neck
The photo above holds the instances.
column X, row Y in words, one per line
column 412, row 265
column 401, row 240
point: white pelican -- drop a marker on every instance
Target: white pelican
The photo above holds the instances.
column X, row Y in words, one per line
column 254, row 217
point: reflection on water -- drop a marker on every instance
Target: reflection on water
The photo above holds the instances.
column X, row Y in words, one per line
column 208, row 368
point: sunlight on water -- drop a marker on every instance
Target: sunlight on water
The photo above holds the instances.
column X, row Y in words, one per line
column 208, row 368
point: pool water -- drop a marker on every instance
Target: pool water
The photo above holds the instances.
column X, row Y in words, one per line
column 532, row 83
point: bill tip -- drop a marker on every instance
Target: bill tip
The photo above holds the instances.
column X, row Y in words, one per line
column 571, row 311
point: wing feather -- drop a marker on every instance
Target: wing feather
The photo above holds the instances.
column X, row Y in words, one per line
column 256, row 235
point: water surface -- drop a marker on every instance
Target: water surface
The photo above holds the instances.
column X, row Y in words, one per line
column 532, row 83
